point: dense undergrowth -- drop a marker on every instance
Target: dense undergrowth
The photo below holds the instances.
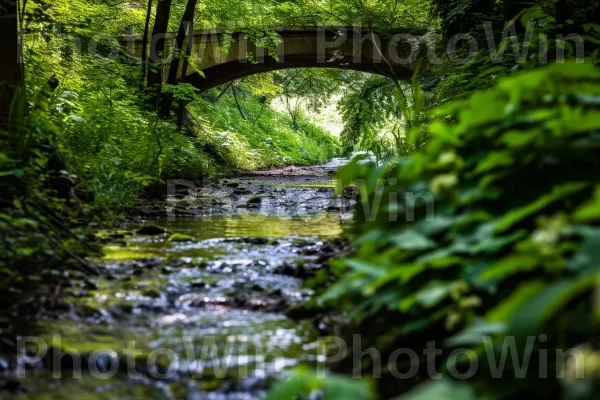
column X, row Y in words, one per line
column 44, row 219
column 505, row 245
column 499, row 247
column 257, row 137
column 483, row 242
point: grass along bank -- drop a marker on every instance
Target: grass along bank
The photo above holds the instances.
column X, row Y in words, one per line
column 118, row 148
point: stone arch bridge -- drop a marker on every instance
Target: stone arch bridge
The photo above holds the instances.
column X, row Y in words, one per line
column 224, row 57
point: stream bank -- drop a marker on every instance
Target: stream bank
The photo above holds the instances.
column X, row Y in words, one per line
column 200, row 299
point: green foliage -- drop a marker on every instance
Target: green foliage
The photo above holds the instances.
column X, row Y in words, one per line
column 463, row 16
column 265, row 14
column 368, row 107
column 509, row 248
column 509, row 54
column 254, row 136
column 91, row 143
column 306, row 89
column 43, row 227
column 330, row 387
column 113, row 144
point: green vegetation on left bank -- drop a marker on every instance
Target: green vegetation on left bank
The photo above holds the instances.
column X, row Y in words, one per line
column 81, row 140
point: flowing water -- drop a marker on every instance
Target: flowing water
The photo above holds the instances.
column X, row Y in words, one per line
column 205, row 318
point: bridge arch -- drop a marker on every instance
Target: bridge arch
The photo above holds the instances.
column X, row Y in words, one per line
column 306, row 47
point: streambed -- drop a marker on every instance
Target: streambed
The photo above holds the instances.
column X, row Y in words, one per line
column 218, row 315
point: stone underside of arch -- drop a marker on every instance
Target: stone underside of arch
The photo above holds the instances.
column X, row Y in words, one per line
column 225, row 57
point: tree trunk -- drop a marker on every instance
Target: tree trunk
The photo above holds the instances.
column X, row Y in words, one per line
column 145, row 40
column 11, row 67
column 187, row 22
column 157, row 47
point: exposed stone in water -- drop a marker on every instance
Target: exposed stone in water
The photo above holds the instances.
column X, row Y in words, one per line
column 180, row 237
column 239, row 191
column 152, row 230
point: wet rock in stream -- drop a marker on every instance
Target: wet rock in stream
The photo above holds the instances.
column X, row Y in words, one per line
column 151, row 230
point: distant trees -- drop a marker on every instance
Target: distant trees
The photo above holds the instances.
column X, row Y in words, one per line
column 306, row 89
column 462, row 16
column 11, row 68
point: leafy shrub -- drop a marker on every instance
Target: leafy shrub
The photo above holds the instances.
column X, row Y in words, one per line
column 43, row 227
column 258, row 137
column 510, row 252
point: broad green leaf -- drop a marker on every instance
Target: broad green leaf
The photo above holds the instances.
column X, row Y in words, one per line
column 444, row 389
column 407, row 303
column 530, row 317
column 507, row 307
column 338, row 387
column 588, row 255
column 415, row 325
column 400, row 274
column 510, row 265
column 494, row 160
column 24, row 222
column 19, row 173
column 557, row 193
column 491, row 245
column 26, row 251
column 366, row 268
column 291, row 388
column 475, row 334
column 411, row 240
column 434, row 292
column 590, row 211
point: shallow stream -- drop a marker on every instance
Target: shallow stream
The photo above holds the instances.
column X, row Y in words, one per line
column 207, row 317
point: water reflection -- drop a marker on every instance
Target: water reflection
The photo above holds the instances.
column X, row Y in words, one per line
column 322, row 226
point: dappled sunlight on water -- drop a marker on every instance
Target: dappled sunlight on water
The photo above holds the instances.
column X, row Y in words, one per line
column 204, row 230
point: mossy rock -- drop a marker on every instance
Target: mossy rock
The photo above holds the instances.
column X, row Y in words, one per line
column 152, row 293
column 201, row 264
column 180, row 237
column 91, row 310
column 254, row 200
column 241, row 191
column 143, row 364
column 152, row 230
